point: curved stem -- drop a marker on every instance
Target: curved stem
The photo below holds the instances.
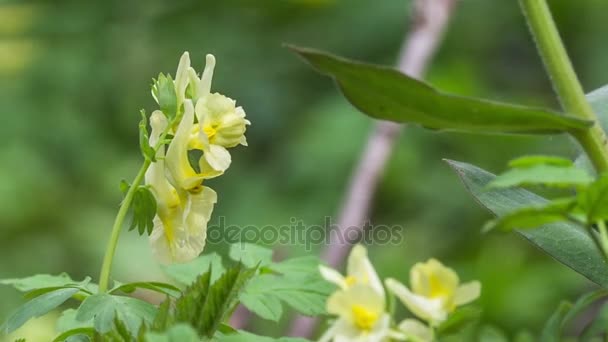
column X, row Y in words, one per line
column 603, row 238
column 106, row 267
column 564, row 80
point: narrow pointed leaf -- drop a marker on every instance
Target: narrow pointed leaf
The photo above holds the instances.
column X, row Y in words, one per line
column 385, row 93
column 566, row 242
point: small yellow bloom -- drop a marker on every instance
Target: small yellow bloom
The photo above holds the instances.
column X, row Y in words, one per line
column 359, row 270
column 180, row 224
column 361, row 315
column 436, row 291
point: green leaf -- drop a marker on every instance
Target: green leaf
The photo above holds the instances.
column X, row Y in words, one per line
column 534, row 160
column 144, row 210
column 177, row 333
column 532, row 217
column 147, row 151
column 545, row 175
column 597, row 327
column 553, row 328
column 222, row 298
column 67, row 321
column 250, row 254
column 37, row 307
column 566, row 242
column 163, row 90
column 593, row 200
column 307, row 295
column 48, row 281
column 459, row 319
column 598, row 99
column 297, row 284
column 188, row 272
column 76, row 335
column 155, row 286
column 103, row 308
column 243, row 336
column 388, row 94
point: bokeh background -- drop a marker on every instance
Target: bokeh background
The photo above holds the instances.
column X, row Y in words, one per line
column 74, row 75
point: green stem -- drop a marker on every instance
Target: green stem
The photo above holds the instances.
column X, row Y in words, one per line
column 106, row 267
column 565, row 81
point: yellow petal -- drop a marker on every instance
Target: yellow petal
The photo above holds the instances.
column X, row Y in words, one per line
column 467, row 293
column 433, row 280
column 333, row 276
column 416, row 331
column 431, row 310
column 362, row 269
column 218, row 157
column 181, row 78
column 207, row 76
column 182, row 173
column 341, row 303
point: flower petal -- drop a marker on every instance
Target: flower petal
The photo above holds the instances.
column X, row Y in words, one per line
column 181, row 78
column 431, row 310
column 333, row 276
column 218, row 157
column 362, row 269
column 416, row 331
column 467, row 293
column 182, row 173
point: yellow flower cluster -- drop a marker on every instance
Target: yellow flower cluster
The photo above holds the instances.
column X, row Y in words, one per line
column 208, row 124
column 360, row 303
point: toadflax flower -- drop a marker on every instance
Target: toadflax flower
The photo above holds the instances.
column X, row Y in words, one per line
column 436, row 291
column 180, row 224
column 359, row 270
column 207, row 123
column 361, row 315
column 359, row 303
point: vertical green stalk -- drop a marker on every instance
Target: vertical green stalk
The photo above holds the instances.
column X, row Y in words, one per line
column 565, row 81
column 603, row 238
column 106, row 267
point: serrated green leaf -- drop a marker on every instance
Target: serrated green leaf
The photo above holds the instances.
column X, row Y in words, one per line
column 37, row 307
column 250, row 254
column 103, row 308
column 222, row 298
column 534, row 160
column 188, row 272
column 489, row 333
column 295, row 282
column 566, row 242
column 177, row 333
column 388, row 94
column 307, row 295
column 543, row 175
column 189, row 307
column 155, row 286
column 163, row 91
column 532, row 217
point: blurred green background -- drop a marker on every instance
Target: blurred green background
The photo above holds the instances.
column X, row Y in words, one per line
column 74, row 74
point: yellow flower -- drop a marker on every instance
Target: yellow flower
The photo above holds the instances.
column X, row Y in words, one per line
column 183, row 175
column 436, row 291
column 361, row 315
column 359, row 270
column 219, row 118
column 180, row 224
